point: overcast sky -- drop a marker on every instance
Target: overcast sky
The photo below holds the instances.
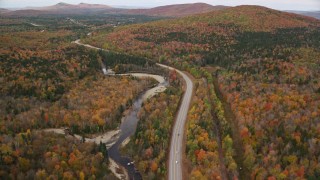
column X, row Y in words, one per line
column 276, row 4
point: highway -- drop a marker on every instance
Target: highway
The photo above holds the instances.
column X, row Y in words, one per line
column 175, row 169
column 87, row 45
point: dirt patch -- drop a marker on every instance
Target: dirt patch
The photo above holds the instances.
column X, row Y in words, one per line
column 117, row 170
column 109, row 138
column 125, row 142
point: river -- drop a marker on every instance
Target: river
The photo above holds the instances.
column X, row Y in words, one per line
column 114, row 139
column 129, row 124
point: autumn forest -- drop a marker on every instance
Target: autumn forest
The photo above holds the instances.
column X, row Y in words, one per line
column 254, row 111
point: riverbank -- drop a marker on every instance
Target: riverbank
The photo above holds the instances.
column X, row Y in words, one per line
column 117, row 170
column 108, row 138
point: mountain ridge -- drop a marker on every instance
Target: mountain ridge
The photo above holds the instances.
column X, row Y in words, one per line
column 63, row 5
column 178, row 10
column 258, row 17
column 3, row 10
column 175, row 10
column 60, row 8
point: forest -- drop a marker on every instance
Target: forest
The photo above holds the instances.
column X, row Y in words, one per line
column 39, row 155
column 46, row 81
column 276, row 103
column 255, row 111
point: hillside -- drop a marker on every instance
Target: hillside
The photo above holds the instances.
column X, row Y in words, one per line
column 206, row 30
column 177, row 10
column 26, row 12
column 256, row 18
column 255, row 113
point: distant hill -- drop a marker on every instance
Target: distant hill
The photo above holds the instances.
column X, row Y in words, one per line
column 2, row 10
column 64, row 6
column 177, row 10
column 58, row 6
column 256, row 18
column 209, row 31
column 61, row 8
column 315, row 14
column 26, row 12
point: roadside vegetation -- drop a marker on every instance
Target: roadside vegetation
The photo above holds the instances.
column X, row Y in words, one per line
column 209, row 144
column 276, row 103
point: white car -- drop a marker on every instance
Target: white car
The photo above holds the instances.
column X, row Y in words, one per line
column 130, row 163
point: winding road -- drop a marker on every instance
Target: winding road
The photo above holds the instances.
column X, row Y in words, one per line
column 175, row 169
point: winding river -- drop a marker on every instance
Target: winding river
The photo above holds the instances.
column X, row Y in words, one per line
column 114, row 139
column 129, row 124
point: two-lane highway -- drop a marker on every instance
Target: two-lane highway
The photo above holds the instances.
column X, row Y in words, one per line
column 175, row 169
